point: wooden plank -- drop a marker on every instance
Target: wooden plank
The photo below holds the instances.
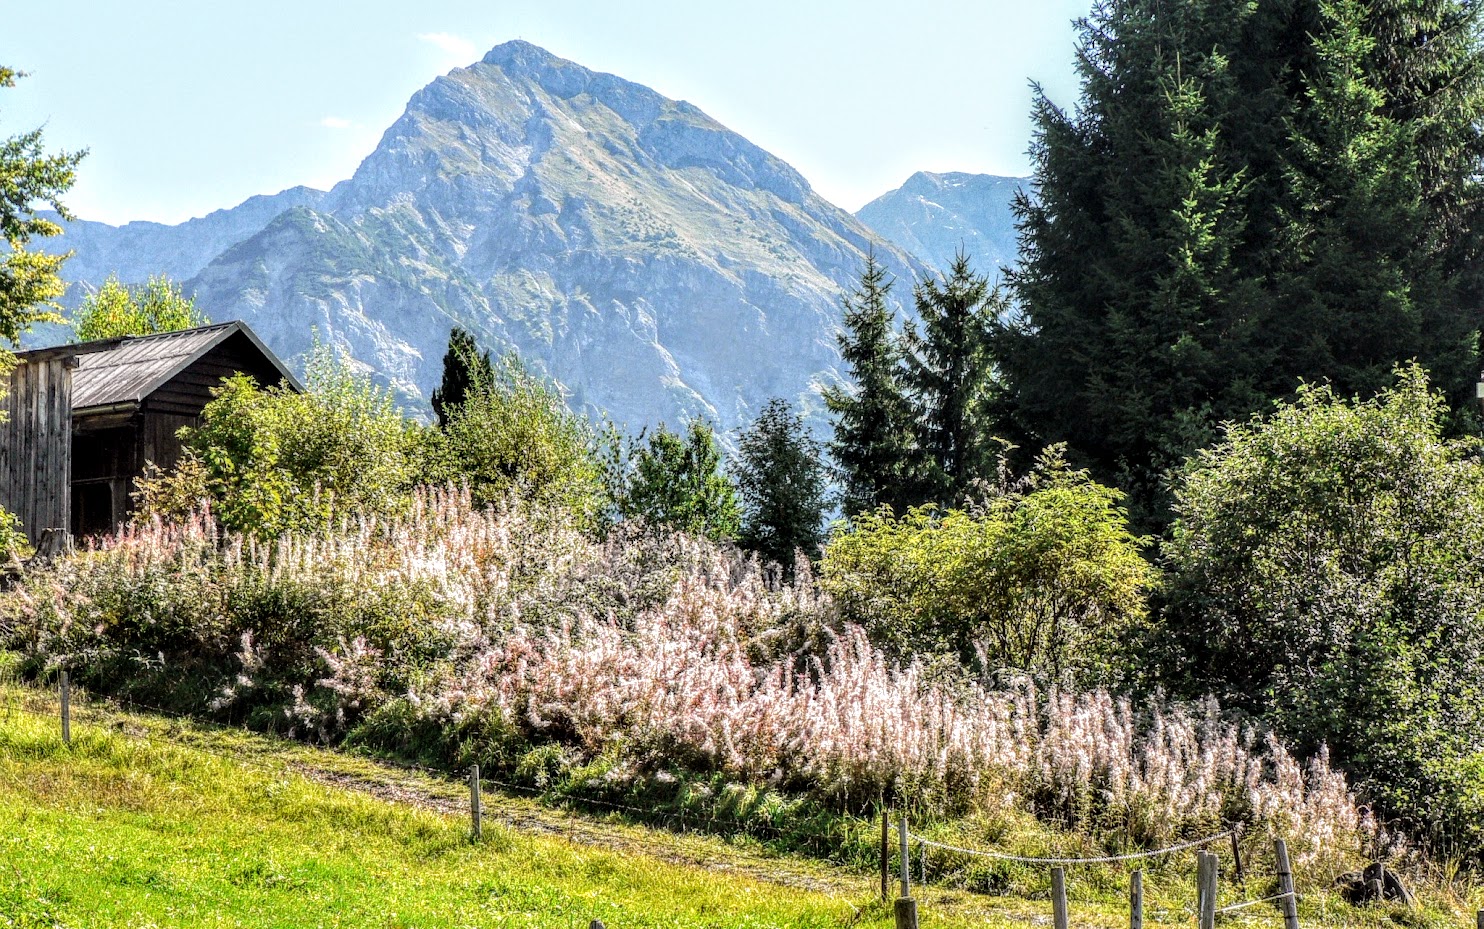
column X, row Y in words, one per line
column 1206, row 891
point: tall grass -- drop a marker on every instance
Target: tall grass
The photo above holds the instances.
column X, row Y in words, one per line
column 508, row 629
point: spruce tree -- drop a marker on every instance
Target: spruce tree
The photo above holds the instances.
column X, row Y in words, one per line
column 1247, row 196
column 872, row 443
column 464, row 368
column 781, row 482
column 948, row 377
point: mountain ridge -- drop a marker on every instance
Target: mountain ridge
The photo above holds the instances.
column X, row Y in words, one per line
column 934, row 215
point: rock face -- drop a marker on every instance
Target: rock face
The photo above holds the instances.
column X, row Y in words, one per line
column 657, row 264
column 932, row 216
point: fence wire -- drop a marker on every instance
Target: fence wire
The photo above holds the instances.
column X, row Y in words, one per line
column 1103, row 859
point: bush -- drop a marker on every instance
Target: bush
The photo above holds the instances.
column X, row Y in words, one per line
column 1327, row 572
column 1040, row 577
column 511, row 433
column 504, row 636
column 275, row 460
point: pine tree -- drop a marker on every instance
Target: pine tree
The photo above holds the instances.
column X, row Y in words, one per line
column 872, row 443
column 781, row 482
column 464, row 368
column 949, row 379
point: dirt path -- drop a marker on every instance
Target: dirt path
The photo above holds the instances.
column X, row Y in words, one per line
column 394, row 785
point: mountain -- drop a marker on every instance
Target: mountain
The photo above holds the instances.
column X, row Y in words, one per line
column 657, row 264
column 932, row 216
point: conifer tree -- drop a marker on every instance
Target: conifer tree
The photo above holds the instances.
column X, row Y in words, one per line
column 781, row 483
column 872, row 443
column 464, row 367
column 948, row 378
column 1246, row 196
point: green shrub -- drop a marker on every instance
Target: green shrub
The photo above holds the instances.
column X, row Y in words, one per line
column 1327, row 572
column 275, row 460
column 513, row 434
column 1042, row 577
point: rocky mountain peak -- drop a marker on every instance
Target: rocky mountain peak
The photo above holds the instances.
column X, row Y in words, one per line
column 656, row 263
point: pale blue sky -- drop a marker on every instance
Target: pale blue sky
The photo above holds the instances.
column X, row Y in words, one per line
column 188, row 107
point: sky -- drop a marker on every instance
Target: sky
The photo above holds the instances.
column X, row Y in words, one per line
column 189, row 107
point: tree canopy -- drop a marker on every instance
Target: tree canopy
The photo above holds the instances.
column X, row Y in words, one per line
column 119, row 309
column 872, row 443
column 676, row 481
column 464, row 368
column 30, row 281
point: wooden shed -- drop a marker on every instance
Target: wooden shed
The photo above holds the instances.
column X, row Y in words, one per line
column 82, row 420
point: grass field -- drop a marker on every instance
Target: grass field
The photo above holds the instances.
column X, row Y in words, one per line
column 144, row 822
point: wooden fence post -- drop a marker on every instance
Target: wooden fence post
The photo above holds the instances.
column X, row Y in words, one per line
column 1059, row 918
column 904, row 910
column 886, row 856
column 1205, row 881
column 1285, row 885
column 1136, row 899
column 1237, row 859
column 905, row 857
column 476, row 811
column 66, row 710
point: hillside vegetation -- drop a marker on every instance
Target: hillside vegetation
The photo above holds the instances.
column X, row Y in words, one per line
column 144, row 821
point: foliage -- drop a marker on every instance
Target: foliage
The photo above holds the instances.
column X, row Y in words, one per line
column 513, row 433
column 277, row 460
column 873, row 441
column 1245, row 196
column 496, row 633
column 1041, row 577
column 781, row 484
column 30, row 281
column 464, row 368
column 677, row 482
column 13, row 541
column 1327, row 571
column 948, row 378
column 118, row 310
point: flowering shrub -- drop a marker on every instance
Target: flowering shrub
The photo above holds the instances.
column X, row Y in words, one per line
column 506, row 630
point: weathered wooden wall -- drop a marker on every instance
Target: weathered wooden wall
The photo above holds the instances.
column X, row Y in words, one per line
column 36, row 445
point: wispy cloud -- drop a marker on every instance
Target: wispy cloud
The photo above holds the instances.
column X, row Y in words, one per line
column 335, row 122
column 455, row 46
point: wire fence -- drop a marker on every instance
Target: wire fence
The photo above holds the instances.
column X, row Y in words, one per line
column 1103, row 859
column 119, row 716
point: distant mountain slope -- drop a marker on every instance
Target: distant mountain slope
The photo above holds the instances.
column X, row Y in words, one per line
column 932, row 216
column 136, row 250
column 656, row 263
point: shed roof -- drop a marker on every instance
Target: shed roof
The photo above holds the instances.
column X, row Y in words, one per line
column 112, row 372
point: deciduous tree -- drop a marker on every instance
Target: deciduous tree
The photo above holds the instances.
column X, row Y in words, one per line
column 119, row 309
